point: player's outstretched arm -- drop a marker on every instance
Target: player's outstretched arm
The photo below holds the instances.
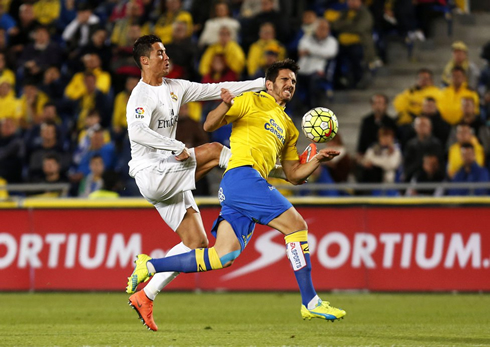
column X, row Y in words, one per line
column 216, row 118
column 297, row 173
column 194, row 91
column 141, row 133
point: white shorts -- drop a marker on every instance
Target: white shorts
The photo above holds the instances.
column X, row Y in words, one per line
column 167, row 185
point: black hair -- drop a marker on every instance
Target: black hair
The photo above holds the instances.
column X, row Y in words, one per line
column 458, row 68
column 52, row 155
column 96, row 156
column 143, row 47
column 384, row 96
column 93, row 112
column 286, row 64
column 386, row 131
column 49, row 103
column 29, row 82
column 425, row 70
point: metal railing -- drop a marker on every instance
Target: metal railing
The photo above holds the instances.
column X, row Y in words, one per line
column 40, row 188
column 363, row 187
column 64, row 188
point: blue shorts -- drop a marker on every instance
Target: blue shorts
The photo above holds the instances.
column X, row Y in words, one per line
column 246, row 198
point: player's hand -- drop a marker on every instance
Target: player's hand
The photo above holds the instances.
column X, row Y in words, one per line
column 326, row 155
column 184, row 155
column 227, row 97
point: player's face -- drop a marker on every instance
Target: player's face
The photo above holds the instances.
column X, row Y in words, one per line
column 284, row 86
column 159, row 61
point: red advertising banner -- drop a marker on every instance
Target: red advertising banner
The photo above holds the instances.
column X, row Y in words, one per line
column 363, row 247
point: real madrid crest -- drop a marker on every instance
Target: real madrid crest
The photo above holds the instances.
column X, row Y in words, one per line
column 173, row 96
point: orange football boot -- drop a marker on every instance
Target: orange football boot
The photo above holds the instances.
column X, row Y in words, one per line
column 309, row 152
column 144, row 308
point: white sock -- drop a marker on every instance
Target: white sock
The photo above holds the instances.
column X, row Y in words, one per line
column 224, row 157
column 313, row 302
column 162, row 279
column 150, row 267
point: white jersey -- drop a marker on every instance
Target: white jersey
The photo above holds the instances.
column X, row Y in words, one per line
column 153, row 113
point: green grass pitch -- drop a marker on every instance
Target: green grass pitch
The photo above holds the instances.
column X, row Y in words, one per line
column 244, row 319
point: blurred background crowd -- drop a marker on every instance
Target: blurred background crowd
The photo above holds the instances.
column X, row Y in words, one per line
column 66, row 72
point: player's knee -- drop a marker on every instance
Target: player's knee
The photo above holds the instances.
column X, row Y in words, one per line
column 215, row 148
column 197, row 242
column 204, row 243
column 298, row 224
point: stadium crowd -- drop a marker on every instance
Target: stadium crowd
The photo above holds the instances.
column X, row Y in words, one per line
column 66, row 72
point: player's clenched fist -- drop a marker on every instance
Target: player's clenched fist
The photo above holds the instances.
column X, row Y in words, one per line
column 184, row 155
column 226, row 96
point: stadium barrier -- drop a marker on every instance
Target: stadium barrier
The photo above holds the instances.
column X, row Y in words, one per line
column 442, row 187
column 376, row 244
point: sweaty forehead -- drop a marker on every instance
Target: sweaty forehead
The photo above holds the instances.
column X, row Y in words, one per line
column 286, row 73
column 158, row 46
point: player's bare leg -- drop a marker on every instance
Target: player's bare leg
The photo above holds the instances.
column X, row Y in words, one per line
column 226, row 249
column 191, row 230
column 192, row 234
column 210, row 155
column 294, row 227
column 227, row 246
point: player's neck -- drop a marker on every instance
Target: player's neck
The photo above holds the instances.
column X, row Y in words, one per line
column 151, row 79
column 280, row 102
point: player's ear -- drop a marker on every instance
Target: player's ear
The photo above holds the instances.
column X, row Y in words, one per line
column 268, row 85
column 144, row 60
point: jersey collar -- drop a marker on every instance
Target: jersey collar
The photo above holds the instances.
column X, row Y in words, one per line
column 270, row 97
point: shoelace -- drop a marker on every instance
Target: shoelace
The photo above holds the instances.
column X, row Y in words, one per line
column 325, row 304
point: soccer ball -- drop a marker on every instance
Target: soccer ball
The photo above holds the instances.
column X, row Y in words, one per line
column 320, row 124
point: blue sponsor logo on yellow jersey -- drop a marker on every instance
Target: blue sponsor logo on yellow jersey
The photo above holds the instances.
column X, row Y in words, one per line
column 274, row 128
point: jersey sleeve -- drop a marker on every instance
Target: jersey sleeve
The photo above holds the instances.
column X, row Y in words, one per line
column 139, row 109
column 290, row 152
column 192, row 91
column 239, row 108
column 138, row 114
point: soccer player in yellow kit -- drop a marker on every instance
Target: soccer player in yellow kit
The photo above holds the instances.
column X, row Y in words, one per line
column 261, row 133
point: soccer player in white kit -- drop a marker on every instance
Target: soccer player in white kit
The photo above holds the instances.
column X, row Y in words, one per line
column 164, row 169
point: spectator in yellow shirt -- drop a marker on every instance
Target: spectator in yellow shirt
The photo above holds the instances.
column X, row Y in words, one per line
column 9, row 104
column 451, row 97
column 93, row 98
column 47, row 11
column 221, row 17
column 464, row 134
column 119, row 121
column 6, row 75
column 171, row 13
column 76, row 88
column 233, row 53
column 354, row 29
column 32, row 105
column 460, row 58
column 408, row 104
column 256, row 53
column 120, row 33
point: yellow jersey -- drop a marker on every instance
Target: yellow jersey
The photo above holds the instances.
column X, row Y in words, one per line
column 261, row 133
